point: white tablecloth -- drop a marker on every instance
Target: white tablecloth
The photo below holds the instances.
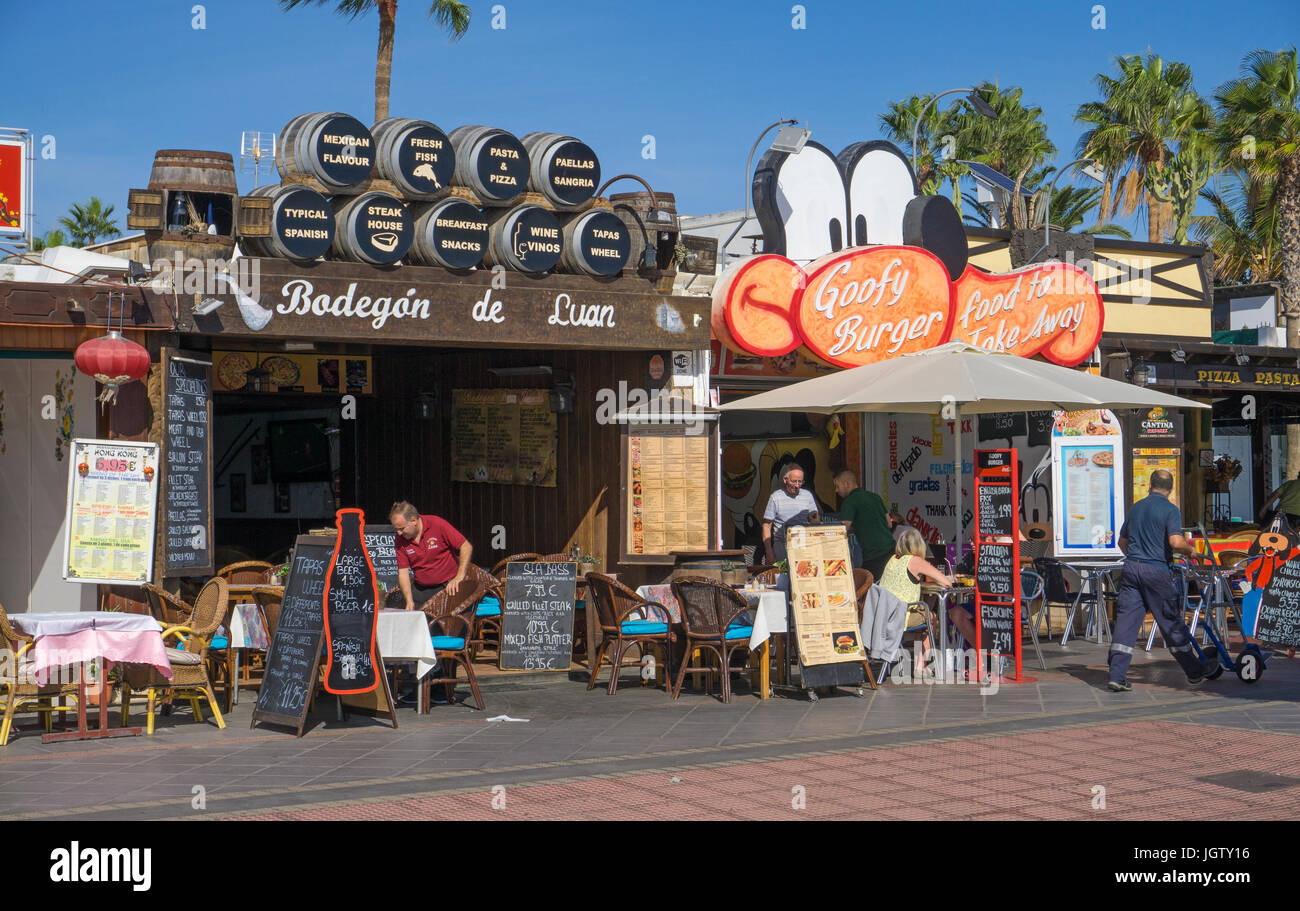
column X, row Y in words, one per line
column 403, row 635
column 60, row 623
column 770, row 616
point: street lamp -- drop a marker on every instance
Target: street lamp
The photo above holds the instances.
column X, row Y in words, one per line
column 1090, row 170
column 790, row 139
column 982, row 107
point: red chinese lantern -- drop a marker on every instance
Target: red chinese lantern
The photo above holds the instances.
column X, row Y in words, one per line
column 113, row 361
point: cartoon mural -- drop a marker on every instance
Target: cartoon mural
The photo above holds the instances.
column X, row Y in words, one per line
column 751, row 470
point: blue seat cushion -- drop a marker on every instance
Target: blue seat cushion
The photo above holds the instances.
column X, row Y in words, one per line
column 643, row 627
column 739, row 632
column 488, row 607
column 448, row 642
column 219, row 642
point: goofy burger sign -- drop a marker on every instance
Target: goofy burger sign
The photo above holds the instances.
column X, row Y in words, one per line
column 904, row 285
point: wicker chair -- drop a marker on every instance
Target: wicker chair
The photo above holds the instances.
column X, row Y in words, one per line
column 166, row 608
column 248, row 572
column 20, row 690
column 487, row 615
column 615, row 603
column 190, row 678
column 709, row 612
column 451, row 625
column 862, row 582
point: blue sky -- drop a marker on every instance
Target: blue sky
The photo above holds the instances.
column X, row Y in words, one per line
column 114, row 82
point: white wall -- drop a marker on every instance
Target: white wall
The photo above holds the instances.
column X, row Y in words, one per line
column 34, row 453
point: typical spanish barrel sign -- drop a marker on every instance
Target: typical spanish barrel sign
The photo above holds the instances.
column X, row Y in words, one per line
column 302, row 224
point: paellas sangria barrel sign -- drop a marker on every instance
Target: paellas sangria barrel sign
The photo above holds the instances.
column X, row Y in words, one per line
column 415, row 155
column 372, row 228
column 334, row 148
column 563, row 169
column 351, row 596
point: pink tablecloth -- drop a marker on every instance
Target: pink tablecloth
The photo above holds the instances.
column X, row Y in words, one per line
column 69, row 639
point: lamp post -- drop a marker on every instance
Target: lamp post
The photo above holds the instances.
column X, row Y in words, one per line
column 1047, row 212
column 982, row 107
column 787, row 140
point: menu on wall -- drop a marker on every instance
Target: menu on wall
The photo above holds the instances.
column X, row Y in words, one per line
column 503, row 436
column 112, row 507
column 822, row 596
column 668, row 483
column 1087, row 489
column 1145, row 461
column 187, row 465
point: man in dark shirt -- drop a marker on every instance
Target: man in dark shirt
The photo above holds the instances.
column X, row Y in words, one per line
column 1152, row 532
column 868, row 521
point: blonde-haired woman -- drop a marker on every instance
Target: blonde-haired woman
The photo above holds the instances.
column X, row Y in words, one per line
column 904, row 571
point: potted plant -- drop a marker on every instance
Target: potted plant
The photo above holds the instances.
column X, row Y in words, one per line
column 590, row 563
column 1222, row 473
column 734, row 573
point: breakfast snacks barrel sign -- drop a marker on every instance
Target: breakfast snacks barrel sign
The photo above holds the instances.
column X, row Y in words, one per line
column 867, row 304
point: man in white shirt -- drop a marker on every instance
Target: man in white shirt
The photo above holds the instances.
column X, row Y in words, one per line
column 790, row 504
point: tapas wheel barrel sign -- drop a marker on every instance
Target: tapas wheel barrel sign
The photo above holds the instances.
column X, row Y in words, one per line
column 862, row 268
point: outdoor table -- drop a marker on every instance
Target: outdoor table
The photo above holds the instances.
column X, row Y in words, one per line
column 403, row 635
column 1093, row 575
column 944, row 595
column 247, row 630
column 68, row 638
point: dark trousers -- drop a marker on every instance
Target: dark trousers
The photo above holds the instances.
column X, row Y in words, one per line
column 419, row 594
column 1150, row 587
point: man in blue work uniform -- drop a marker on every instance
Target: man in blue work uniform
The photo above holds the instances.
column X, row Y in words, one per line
column 1152, row 532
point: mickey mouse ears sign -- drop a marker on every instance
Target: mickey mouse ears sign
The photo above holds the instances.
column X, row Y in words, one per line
column 861, row 304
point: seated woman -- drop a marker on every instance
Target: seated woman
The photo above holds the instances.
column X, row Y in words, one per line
column 904, row 571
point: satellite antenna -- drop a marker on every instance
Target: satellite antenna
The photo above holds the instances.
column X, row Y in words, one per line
column 254, row 148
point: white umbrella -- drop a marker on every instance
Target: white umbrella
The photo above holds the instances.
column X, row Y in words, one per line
column 956, row 379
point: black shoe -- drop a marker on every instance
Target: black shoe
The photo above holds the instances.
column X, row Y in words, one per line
column 1196, row 681
column 1119, row 686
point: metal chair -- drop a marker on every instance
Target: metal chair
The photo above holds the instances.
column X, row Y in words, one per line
column 1032, row 589
column 1184, row 582
column 709, row 612
column 615, row 605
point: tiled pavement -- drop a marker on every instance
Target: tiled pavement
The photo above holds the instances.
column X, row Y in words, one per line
column 1030, row 751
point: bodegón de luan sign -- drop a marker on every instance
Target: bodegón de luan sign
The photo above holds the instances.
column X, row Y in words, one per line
column 406, row 192
column 859, row 267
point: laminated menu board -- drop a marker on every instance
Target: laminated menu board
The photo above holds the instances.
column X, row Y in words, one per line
column 112, row 508
column 823, row 599
column 1088, row 492
column 294, row 655
column 997, row 554
column 537, row 618
column 186, row 486
column 1146, row 461
column 668, row 491
column 503, row 436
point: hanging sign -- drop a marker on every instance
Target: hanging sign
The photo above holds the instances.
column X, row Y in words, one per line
column 112, row 507
column 1087, row 484
column 997, row 554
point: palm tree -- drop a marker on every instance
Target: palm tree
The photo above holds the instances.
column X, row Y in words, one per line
column 1241, row 233
column 450, row 16
column 90, row 222
column 53, row 238
column 1149, row 107
column 1070, row 207
column 897, row 125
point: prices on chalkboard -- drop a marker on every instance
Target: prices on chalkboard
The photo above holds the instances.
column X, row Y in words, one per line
column 537, row 620
column 997, row 512
column 995, row 571
column 186, row 465
column 350, row 618
column 997, row 554
column 1275, row 565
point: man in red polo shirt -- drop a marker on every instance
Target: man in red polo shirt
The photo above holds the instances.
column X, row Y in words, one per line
column 431, row 555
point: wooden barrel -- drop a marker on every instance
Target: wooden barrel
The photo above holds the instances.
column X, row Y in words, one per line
column 452, row 233
column 491, row 162
column 334, row 148
column 415, row 155
column 526, row 238
column 194, row 171
column 640, row 204
column 373, row 228
column 596, row 242
column 302, row 224
column 561, row 168
column 206, row 180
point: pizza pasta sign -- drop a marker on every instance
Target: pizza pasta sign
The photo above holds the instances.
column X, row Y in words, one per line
column 868, row 304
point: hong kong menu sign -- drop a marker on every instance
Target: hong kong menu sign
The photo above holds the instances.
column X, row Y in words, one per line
column 868, row 304
column 112, row 507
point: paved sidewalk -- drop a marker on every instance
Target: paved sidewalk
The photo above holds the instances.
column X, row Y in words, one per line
column 1028, row 751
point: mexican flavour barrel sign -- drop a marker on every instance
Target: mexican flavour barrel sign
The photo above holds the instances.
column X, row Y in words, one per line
column 997, row 554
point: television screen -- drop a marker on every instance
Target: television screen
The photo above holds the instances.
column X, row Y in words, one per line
column 299, row 451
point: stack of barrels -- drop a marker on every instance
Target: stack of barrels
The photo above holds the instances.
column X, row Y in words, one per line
column 403, row 190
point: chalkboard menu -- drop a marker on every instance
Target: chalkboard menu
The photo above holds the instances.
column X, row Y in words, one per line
column 995, row 571
column 537, row 622
column 997, row 554
column 350, row 598
column 997, row 516
column 380, row 545
column 1275, row 566
column 186, row 465
column 1040, row 428
column 295, row 650
column 998, row 628
column 1002, row 426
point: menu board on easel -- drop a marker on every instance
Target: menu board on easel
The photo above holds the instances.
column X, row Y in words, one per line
column 997, row 554
column 824, row 603
column 1088, row 493
column 112, row 507
column 503, row 436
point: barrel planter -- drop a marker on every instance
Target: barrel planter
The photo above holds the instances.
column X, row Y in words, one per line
column 491, row 162
column 415, row 155
column 596, row 242
column 302, row 224
column 330, row 147
column 563, row 169
column 207, row 180
column 526, row 238
column 373, row 228
column 452, row 233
